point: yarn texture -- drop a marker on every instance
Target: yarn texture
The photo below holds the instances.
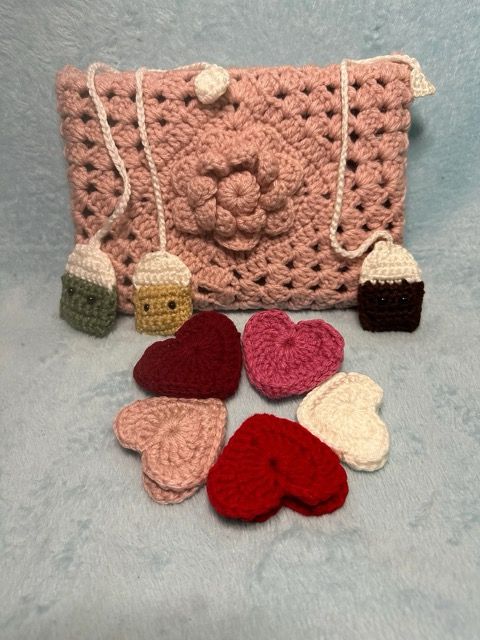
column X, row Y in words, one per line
column 284, row 359
column 162, row 296
column 161, row 309
column 89, row 263
column 271, row 462
column 89, row 299
column 159, row 268
column 342, row 412
column 248, row 181
column 389, row 263
column 166, row 496
column 204, row 360
column 87, row 306
column 211, row 83
column 391, row 290
column 158, row 311
column 179, row 440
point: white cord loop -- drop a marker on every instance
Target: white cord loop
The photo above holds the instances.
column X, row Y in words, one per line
column 210, row 84
column 420, row 86
column 142, row 127
column 112, row 149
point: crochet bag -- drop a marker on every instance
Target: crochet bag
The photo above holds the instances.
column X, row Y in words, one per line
column 257, row 188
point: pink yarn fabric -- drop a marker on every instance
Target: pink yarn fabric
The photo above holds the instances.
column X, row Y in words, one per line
column 248, row 182
column 178, row 439
column 285, row 359
column 166, row 496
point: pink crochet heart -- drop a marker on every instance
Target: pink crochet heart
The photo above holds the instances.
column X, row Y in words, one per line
column 166, row 496
column 285, row 359
column 178, row 439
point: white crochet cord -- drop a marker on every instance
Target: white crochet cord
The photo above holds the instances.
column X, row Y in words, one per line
column 114, row 154
column 420, row 87
column 142, row 127
column 112, row 149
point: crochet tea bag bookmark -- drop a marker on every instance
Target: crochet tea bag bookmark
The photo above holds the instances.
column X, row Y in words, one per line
column 162, row 294
column 89, row 296
column 391, row 290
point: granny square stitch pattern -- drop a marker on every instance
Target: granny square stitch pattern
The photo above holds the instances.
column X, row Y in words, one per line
column 203, row 360
column 248, row 182
column 343, row 413
column 284, row 359
column 178, row 439
column 271, row 462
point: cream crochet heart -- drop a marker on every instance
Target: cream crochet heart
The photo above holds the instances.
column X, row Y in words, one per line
column 342, row 412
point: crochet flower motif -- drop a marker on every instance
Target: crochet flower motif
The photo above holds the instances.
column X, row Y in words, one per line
column 238, row 194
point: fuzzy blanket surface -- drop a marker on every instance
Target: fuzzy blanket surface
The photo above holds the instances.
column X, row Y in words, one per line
column 85, row 554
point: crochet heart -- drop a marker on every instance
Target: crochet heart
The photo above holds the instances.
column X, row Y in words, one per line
column 342, row 413
column 166, row 496
column 203, row 360
column 179, row 441
column 271, row 462
column 284, row 359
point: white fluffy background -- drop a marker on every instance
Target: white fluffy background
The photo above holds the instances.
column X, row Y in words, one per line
column 84, row 553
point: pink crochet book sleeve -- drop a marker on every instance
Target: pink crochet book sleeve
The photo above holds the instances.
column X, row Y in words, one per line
column 248, row 182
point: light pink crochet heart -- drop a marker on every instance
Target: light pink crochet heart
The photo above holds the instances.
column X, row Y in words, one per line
column 166, row 496
column 178, row 439
column 285, row 359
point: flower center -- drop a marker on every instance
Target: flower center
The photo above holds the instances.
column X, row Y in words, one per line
column 239, row 193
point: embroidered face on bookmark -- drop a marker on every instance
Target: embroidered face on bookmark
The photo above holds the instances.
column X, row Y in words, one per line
column 162, row 296
column 391, row 290
column 89, row 296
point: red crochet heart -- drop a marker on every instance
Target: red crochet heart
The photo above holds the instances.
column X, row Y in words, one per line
column 203, row 360
column 271, row 462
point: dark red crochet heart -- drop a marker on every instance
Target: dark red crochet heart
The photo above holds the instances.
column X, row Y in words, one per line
column 271, row 462
column 203, row 360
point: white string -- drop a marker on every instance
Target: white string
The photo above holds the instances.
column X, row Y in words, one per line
column 112, row 149
column 142, row 127
column 337, row 209
column 393, row 57
column 120, row 165
column 425, row 89
column 115, row 156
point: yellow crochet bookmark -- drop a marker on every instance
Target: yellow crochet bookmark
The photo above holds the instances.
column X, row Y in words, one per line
column 162, row 295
